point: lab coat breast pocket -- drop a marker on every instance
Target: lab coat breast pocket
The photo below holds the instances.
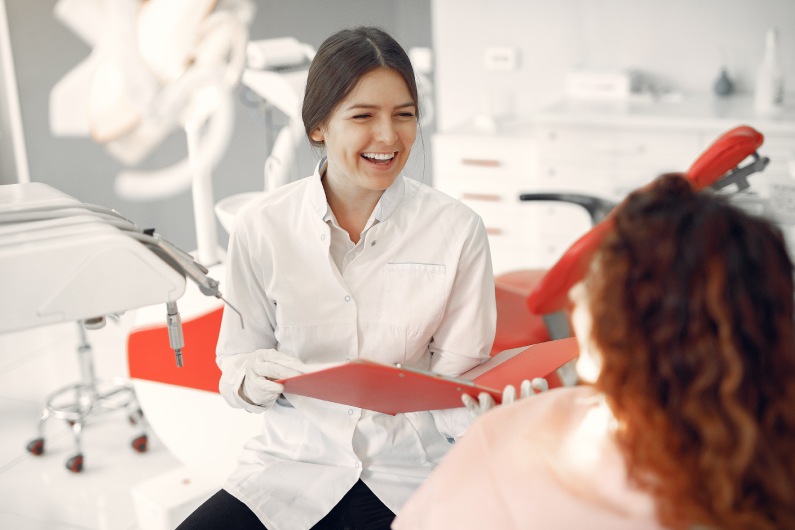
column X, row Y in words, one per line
column 415, row 293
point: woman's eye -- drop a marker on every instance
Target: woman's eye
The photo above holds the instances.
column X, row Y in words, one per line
column 406, row 114
column 361, row 116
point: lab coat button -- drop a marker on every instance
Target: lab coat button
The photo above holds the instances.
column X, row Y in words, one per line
column 350, row 412
column 347, row 298
column 322, row 237
column 356, row 465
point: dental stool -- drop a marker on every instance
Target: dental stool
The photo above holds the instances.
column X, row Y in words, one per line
column 91, row 397
column 83, row 262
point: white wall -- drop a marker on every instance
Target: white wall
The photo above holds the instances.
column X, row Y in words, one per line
column 679, row 43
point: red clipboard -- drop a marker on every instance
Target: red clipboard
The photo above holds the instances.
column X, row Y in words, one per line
column 394, row 389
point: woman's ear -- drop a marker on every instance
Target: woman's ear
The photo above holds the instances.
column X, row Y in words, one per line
column 317, row 135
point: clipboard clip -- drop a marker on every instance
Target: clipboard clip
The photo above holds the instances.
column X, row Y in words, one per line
column 456, row 380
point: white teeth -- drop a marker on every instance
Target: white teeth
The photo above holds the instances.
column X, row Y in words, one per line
column 379, row 156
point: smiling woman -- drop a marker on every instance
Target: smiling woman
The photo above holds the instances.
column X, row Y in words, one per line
column 401, row 273
column 368, row 139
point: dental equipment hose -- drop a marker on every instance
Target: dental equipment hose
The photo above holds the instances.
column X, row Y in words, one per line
column 184, row 263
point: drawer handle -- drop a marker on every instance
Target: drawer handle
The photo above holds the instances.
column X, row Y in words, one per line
column 480, row 162
column 622, row 150
column 493, row 231
column 481, row 197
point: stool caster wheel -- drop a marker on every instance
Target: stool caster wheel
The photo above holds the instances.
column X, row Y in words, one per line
column 135, row 417
column 36, row 447
column 140, row 444
column 75, row 464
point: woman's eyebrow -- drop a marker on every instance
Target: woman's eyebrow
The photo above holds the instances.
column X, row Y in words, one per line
column 353, row 106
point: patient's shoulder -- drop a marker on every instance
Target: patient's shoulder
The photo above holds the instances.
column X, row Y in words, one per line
column 556, row 409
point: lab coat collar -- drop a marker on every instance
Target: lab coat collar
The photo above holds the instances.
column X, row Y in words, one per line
column 387, row 204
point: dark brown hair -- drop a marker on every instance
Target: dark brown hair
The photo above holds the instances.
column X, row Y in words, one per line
column 341, row 61
column 692, row 303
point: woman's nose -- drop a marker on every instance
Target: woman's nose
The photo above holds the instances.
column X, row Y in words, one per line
column 385, row 131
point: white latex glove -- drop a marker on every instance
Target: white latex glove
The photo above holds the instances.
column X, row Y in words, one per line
column 484, row 403
column 264, row 367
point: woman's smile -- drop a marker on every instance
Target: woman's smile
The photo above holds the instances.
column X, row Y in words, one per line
column 369, row 136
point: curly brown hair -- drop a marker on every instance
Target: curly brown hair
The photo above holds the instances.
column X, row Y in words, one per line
column 692, row 307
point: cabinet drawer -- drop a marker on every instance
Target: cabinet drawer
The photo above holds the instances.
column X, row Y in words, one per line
column 536, row 253
column 610, row 180
column 485, row 190
column 479, row 161
column 561, row 220
column 574, row 177
column 530, row 234
column 507, row 218
column 780, row 146
column 594, row 145
column 525, row 220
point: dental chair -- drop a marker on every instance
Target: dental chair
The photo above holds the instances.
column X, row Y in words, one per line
column 532, row 304
column 185, row 409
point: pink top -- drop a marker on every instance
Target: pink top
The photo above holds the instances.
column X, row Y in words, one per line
column 546, row 462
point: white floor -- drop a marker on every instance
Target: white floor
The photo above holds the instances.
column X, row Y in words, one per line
column 38, row 492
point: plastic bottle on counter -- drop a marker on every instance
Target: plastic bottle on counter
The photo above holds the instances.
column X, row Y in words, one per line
column 769, row 90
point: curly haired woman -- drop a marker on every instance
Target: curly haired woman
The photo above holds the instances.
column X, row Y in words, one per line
column 687, row 415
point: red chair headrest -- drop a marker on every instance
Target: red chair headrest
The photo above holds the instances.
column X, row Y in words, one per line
column 725, row 153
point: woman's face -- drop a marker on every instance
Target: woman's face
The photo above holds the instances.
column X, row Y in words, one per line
column 589, row 362
column 369, row 135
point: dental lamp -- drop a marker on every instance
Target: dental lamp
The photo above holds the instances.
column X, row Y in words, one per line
column 156, row 66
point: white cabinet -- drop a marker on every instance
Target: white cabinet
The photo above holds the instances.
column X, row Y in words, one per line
column 612, row 148
column 488, row 172
column 609, row 161
column 602, row 149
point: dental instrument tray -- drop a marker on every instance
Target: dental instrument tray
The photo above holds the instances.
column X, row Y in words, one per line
column 63, row 260
column 394, row 389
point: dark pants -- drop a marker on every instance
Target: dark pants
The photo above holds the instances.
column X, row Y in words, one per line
column 359, row 509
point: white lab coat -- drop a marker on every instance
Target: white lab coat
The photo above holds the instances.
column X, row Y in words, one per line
column 419, row 292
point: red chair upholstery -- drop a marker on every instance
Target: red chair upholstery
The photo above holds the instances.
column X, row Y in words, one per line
column 150, row 358
column 516, row 325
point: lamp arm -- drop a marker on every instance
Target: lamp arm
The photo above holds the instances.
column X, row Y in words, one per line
column 223, row 38
column 204, row 152
column 283, row 158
